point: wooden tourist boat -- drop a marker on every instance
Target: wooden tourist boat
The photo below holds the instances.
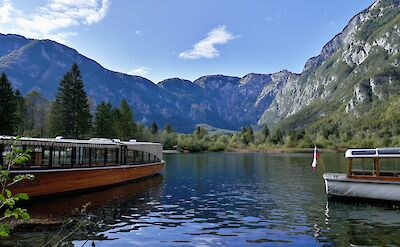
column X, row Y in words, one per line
column 372, row 174
column 63, row 165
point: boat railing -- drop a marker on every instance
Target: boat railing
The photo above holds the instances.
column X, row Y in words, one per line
column 378, row 167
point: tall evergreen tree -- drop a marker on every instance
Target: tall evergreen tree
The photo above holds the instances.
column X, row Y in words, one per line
column 20, row 113
column 104, row 121
column 168, row 128
column 126, row 126
column 200, row 132
column 265, row 132
column 56, row 119
column 247, row 135
column 154, row 128
column 8, row 107
column 70, row 113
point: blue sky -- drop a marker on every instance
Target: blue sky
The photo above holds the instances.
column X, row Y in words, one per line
column 160, row 39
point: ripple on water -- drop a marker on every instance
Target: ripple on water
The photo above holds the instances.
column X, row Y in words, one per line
column 243, row 200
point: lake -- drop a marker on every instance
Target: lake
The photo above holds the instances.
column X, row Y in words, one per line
column 224, row 199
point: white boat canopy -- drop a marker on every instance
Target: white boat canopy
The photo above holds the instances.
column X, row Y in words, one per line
column 373, row 153
column 149, row 147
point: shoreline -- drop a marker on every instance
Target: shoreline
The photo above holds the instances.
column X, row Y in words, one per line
column 276, row 150
column 267, row 150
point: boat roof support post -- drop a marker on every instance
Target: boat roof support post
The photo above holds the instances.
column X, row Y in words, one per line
column 1, row 154
column 105, row 157
column 350, row 167
column 90, row 156
column 51, row 150
column 377, row 167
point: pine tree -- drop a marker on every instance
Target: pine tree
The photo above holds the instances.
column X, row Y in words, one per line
column 250, row 134
column 8, row 107
column 277, row 137
column 20, row 113
column 104, row 121
column 126, row 126
column 70, row 113
column 247, row 135
column 168, row 128
column 56, row 119
column 200, row 132
column 265, row 131
column 154, row 128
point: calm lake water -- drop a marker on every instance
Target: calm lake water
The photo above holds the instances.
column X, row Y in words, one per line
column 226, row 199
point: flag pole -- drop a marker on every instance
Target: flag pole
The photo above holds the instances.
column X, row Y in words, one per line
column 314, row 162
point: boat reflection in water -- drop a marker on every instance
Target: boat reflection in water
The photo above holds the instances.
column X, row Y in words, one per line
column 107, row 206
column 362, row 223
column 64, row 205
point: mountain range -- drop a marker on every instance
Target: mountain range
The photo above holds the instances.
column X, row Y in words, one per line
column 359, row 67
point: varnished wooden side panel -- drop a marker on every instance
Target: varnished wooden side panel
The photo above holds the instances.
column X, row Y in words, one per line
column 46, row 183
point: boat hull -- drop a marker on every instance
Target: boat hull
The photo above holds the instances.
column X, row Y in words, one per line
column 55, row 181
column 338, row 184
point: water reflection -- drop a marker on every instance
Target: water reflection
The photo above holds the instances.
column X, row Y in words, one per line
column 229, row 200
column 363, row 223
column 237, row 200
column 63, row 205
column 107, row 206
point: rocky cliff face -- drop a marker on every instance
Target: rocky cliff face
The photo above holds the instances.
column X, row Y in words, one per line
column 357, row 67
column 223, row 101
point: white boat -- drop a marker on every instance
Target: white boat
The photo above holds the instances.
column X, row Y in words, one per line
column 372, row 174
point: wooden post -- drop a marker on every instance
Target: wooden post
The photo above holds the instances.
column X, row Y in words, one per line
column 116, row 156
column 50, row 156
column 125, row 154
column 1, row 154
column 350, row 167
column 42, row 158
column 105, row 156
column 90, row 156
column 73, row 156
column 377, row 167
column 79, row 162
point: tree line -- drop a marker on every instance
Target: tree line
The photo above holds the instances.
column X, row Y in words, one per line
column 74, row 115
column 71, row 115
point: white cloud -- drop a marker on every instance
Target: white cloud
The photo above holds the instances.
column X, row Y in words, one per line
column 269, row 18
column 140, row 71
column 51, row 20
column 206, row 47
column 138, row 32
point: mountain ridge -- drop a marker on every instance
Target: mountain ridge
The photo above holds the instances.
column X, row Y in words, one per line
column 227, row 102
